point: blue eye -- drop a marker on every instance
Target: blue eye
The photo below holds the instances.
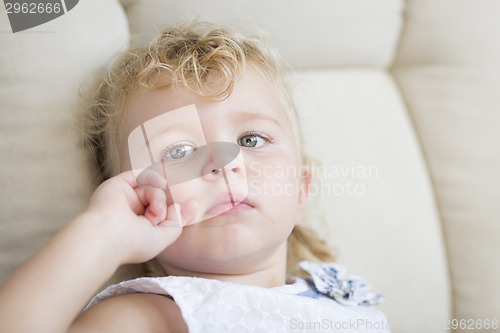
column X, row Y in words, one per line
column 178, row 152
column 252, row 140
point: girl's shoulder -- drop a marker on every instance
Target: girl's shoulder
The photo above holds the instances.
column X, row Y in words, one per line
column 138, row 312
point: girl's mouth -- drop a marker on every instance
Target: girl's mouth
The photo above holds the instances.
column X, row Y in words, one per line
column 226, row 207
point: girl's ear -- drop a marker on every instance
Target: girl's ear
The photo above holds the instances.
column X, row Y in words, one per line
column 305, row 186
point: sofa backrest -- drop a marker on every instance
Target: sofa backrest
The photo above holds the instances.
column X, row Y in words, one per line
column 399, row 106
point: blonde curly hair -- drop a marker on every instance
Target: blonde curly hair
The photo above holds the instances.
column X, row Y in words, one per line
column 188, row 54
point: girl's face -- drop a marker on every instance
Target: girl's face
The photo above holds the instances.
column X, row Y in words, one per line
column 265, row 181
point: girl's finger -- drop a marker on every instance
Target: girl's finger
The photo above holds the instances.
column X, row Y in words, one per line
column 155, row 203
column 151, row 178
column 188, row 212
column 171, row 228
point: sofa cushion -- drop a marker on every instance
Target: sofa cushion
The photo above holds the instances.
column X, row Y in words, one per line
column 45, row 178
column 374, row 191
column 326, row 33
column 449, row 72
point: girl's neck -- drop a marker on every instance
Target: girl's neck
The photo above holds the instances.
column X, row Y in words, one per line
column 268, row 274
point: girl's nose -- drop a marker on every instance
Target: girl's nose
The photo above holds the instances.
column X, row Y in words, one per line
column 233, row 169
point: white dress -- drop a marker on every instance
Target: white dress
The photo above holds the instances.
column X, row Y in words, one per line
column 301, row 306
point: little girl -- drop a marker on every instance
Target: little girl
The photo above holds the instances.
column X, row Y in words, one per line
column 197, row 141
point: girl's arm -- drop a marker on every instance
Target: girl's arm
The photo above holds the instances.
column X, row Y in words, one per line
column 123, row 224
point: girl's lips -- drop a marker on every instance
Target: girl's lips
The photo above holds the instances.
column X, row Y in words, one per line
column 227, row 208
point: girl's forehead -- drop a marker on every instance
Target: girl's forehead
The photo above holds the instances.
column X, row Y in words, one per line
column 253, row 93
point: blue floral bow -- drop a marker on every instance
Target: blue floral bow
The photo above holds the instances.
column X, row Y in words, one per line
column 329, row 279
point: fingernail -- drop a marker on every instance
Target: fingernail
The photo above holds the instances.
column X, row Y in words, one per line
column 179, row 216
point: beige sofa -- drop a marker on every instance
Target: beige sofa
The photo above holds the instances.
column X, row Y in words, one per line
column 400, row 105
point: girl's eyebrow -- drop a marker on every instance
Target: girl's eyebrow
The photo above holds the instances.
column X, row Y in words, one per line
column 246, row 116
column 171, row 128
column 179, row 126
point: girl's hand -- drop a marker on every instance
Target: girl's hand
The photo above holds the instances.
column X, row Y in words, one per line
column 141, row 224
column 124, row 223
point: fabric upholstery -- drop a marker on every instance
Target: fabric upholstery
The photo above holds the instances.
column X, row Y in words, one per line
column 448, row 69
column 333, row 33
column 379, row 210
column 45, row 176
column 399, row 105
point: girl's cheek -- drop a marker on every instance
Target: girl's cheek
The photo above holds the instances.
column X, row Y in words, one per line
column 277, row 180
column 193, row 189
